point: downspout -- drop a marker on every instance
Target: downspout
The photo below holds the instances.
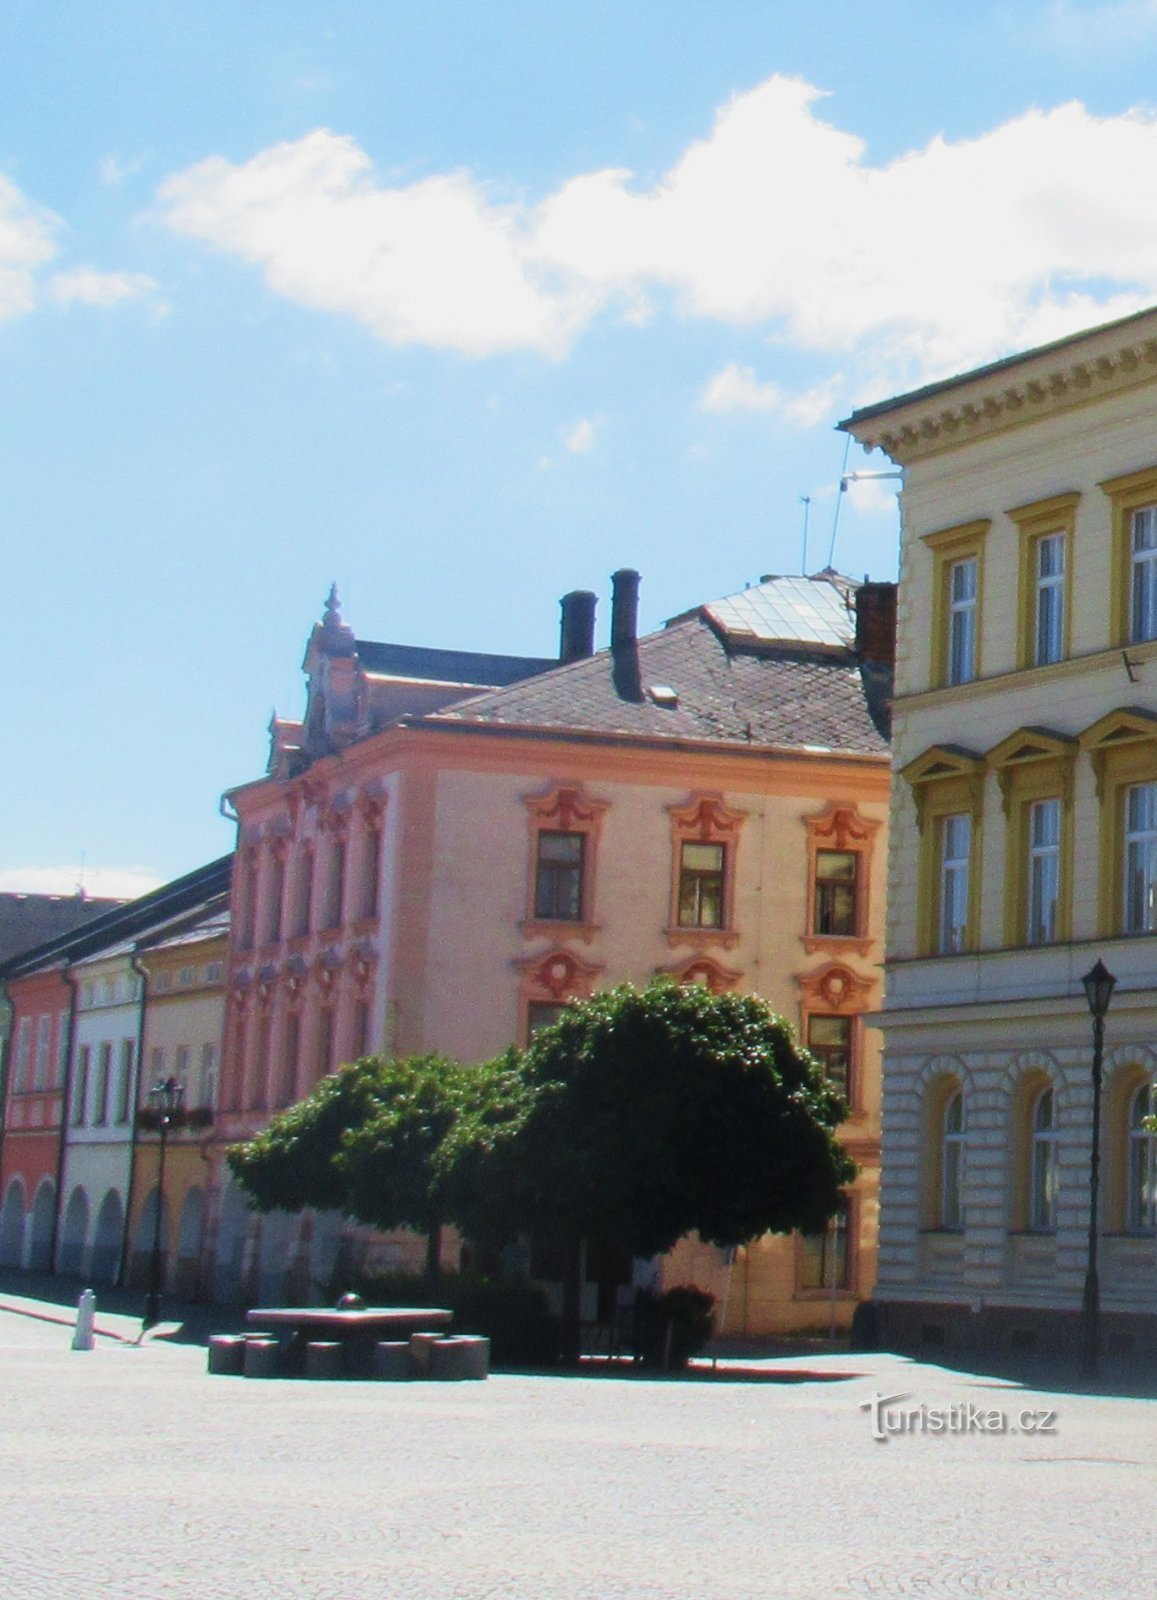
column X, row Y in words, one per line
column 138, row 1067
column 65, row 1112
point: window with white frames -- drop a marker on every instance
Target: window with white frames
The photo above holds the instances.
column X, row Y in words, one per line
column 952, row 1163
column 1049, row 642
column 23, row 1067
column 43, row 1043
column 61, row 1049
column 1143, row 578
column 124, row 1096
column 1141, row 1179
column 207, row 1082
column 103, row 1084
column 962, row 596
column 1044, row 870
column 1141, row 858
column 80, row 1086
column 1043, row 1190
column 955, row 850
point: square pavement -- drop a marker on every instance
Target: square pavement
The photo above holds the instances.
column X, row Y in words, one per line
column 129, row 1472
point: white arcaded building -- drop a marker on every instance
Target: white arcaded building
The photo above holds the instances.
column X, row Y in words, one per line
column 1023, row 845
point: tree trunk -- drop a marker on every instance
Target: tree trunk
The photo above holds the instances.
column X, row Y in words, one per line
column 434, row 1257
column 572, row 1297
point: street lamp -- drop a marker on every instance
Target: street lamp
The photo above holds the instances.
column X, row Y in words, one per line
column 166, row 1098
column 1099, row 984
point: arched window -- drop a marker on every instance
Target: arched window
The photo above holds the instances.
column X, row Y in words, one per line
column 1043, row 1181
column 952, row 1163
column 1141, row 1179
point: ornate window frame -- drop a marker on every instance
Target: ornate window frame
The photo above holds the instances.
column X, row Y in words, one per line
column 1122, row 747
column 714, row 976
column 834, row 990
column 1034, row 764
column 840, row 826
column 1130, row 492
column 1038, row 520
column 965, row 541
column 564, row 808
column 552, row 979
column 946, row 780
column 704, row 818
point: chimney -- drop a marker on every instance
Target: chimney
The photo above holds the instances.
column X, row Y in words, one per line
column 577, row 631
column 624, row 607
column 876, row 623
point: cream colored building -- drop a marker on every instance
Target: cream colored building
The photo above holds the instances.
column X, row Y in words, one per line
column 1023, row 844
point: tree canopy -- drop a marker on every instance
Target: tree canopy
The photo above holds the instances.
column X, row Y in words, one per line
column 660, row 1111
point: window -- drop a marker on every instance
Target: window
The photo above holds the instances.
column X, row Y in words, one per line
column 823, row 1259
column 955, row 861
column 291, row 1050
column 207, row 1080
column 124, row 1100
column 1141, row 1174
column 181, row 1066
column 701, row 885
column 1140, row 892
column 335, row 884
column 1043, row 1184
column 325, row 1041
column 542, row 1014
column 61, row 1070
column 835, row 892
column 276, row 894
column 1047, row 530
column 372, row 872
column 947, row 784
column 23, row 1066
column 829, row 1040
column 1044, row 870
column 247, row 919
column 1049, row 617
column 43, row 1046
column 1133, row 589
column 80, row 1087
column 957, row 598
column 558, row 878
column 963, row 592
column 952, row 1163
column 303, row 899
column 1143, row 574
column 103, row 1085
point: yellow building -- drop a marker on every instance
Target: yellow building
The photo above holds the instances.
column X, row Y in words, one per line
column 1023, row 845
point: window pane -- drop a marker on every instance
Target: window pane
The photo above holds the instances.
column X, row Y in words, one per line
column 824, row 1256
column 962, row 579
column 1044, row 870
column 701, row 885
column 1144, row 591
column 559, row 877
column 829, row 1041
column 835, row 907
column 1141, row 1195
column 542, row 1014
column 1050, row 598
column 1141, row 858
column 955, row 841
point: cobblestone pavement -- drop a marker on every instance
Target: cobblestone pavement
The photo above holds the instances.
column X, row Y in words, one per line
column 129, row 1472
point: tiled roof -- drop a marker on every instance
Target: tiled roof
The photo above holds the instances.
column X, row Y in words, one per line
column 447, row 666
column 786, row 695
column 27, row 920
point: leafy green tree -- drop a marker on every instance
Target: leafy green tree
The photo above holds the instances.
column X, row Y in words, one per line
column 661, row 1111
column 394, row 1142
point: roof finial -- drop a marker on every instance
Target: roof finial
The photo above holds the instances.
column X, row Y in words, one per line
column 332, row 618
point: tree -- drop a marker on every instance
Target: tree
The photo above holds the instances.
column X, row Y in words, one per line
column 394, row 1142
column 661, row 1111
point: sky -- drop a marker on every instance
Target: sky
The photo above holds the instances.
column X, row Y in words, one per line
column 463, row 306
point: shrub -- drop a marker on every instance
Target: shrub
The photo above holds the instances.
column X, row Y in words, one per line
column 672, row 1327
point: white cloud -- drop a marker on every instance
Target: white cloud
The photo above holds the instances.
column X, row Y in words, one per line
column 581, row 437
column 27, row 243
column 87, row 286
column 776, row 220
column 736, row 388
column 116, row 883
column 874, row 496
column 1100, row 27
column 113, row 171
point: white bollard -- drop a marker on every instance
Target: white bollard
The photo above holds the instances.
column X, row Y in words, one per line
column 82, row 1339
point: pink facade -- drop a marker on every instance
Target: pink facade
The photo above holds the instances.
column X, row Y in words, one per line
column 33, row 1118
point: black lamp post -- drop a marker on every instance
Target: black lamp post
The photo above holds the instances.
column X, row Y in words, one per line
column 1099, row 985
column 166, row 1098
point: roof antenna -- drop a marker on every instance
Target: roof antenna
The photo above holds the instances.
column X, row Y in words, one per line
column 839, row 502
column 807, row 502
column 81, row 892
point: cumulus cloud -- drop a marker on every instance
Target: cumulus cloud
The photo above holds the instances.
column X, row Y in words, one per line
column 27, row 243
column 86, row 286
column 775, row 220
column 581, row 437
column 114, row 883
column 736, row 388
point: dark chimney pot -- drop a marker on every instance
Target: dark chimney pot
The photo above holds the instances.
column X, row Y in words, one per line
column 577, row 630
column 624, row 607
column 876, row 623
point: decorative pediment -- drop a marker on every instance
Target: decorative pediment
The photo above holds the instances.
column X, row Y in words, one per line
column 938, row 768
column 1128, row 728
column 565, row 807
column 841, row 827
column 560, row 974
column 713, row 975
column 835, row 988
column 1030, row 749
column 706, row 816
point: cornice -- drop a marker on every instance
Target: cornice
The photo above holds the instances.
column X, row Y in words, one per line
column 1028, row 388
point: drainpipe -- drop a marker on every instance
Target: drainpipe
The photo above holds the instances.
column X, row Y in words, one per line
column 65, row 1112
column 138, row 1067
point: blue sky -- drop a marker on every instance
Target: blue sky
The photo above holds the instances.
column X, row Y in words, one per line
column 464, row 306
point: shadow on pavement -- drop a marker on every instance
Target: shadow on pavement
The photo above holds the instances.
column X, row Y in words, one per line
column 195, row 1322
